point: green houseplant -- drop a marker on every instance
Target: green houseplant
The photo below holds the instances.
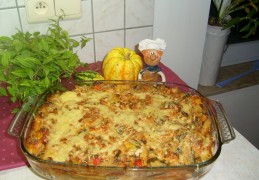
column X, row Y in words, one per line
column 225, row 14
column 228, row 13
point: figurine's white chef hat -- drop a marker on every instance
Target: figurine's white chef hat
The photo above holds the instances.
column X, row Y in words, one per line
column 158, row 44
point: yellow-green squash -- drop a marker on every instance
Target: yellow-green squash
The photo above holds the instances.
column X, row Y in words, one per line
column 121, row 64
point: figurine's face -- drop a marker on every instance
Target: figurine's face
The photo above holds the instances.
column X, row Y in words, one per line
column 152, row 56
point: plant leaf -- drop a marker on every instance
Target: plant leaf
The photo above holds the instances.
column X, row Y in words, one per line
column 39, row 90
column 61, row 43
column 2, row 77
column 44, row 45
column 20, row 73
column 73, row 61
column 252, row 13
column 67, row 55
column 5, row 58
column 18, row 45
column 246, row 28
column 36, row 34
column 5, row 39
column 47, row 82
column 3, row 91
column 27, row 62
column 62, row 65
column 83, row 41
column 23, row 62
column 232, row 22
column 12, row 91
column 250, row 32
column 30, row 73
column 25, row 83
column 46, row 70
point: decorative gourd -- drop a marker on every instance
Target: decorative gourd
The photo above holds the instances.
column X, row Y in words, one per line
column 88, row 75
column 121, row 64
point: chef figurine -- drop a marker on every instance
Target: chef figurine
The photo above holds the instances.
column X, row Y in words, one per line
column 152, row 51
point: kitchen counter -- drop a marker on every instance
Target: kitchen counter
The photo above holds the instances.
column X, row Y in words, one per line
column 238, row 160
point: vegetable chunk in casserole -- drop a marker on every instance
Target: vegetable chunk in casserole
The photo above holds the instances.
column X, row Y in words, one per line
column 123, row 125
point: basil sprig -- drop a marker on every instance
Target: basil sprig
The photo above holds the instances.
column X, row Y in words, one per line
column 32, row 62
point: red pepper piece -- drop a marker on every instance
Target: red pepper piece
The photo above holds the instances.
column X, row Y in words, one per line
column 98, row 87
column 138, row 163
column 97, row 161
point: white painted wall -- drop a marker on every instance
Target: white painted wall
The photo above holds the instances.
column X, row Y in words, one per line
column 182, row 24
column 240, row 53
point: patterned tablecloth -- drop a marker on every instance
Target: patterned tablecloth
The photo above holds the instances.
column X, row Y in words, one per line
column 11, row 155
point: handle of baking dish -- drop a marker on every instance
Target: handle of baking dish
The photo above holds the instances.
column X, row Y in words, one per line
column 226, row 130
column 16, row 126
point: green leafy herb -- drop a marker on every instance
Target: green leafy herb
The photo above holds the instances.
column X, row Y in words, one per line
column 30, row 63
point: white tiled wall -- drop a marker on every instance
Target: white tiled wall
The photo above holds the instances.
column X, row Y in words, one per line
column 109, row 23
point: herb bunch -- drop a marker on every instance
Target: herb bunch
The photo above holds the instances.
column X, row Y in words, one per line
column 30, row 63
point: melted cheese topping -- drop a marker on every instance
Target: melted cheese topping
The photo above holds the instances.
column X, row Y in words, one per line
column 122, row 125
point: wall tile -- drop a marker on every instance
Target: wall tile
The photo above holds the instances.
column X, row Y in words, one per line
column 108, row 15
column 20, row 2
column 134, row 36
column 105, row 21
column 87, row 53
column 9, row 22
column 139, row 13
column 82, row 25
column 104, row 42
column 7, row 3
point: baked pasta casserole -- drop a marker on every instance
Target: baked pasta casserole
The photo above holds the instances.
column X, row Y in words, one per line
column 122, row 125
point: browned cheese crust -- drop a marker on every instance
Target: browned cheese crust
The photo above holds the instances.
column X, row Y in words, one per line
column 123, row 125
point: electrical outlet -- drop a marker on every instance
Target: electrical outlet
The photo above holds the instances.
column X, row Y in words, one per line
column 44, row 10
column 39, row 10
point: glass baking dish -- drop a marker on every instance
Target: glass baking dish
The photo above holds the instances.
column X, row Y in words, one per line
column 222, row 130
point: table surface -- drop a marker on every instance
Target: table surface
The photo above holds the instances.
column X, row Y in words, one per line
column 239, row 159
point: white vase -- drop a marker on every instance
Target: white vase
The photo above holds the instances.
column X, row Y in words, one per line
column 215, row 43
